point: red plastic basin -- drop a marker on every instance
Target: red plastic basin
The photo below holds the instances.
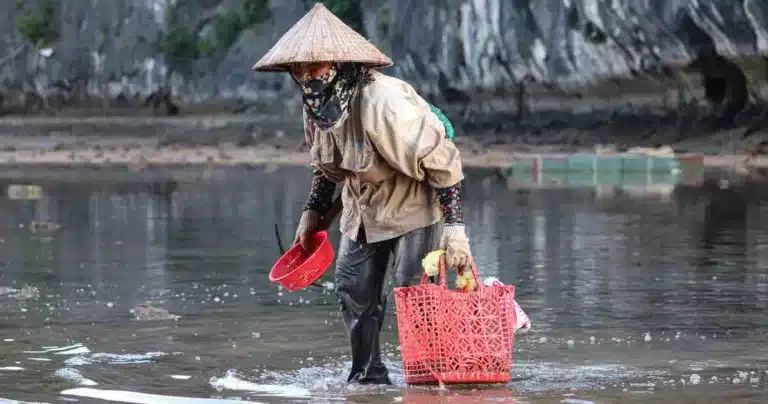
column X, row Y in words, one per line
column 296, row 270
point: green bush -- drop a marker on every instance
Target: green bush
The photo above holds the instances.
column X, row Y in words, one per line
column 227, row 27
column 182, row 47
column 254, row 12
column 39, row 27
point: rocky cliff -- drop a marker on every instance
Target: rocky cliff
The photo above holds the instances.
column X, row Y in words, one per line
column 455, row 48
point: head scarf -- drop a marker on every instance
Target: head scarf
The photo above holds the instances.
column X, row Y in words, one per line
column 327, row 98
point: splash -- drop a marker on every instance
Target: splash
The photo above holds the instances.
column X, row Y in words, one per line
column 326, row 382
column 233, row 381
column 329, row 381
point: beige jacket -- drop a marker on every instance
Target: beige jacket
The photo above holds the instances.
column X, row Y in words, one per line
column 390, row 152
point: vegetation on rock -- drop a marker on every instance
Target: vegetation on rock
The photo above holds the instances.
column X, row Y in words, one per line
column 37, row 24
column 184, row 45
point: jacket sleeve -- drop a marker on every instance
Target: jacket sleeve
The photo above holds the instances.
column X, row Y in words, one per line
column 309, row 132
column 322, row 189
column 321, row 193
column 408, row 135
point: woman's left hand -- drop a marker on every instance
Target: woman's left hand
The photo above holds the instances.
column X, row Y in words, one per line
column 456, row 246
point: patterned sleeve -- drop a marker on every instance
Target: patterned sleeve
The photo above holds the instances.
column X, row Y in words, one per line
column 321, row 194
column 450, row 203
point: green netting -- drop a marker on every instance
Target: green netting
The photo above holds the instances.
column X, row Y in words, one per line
column 449, row 131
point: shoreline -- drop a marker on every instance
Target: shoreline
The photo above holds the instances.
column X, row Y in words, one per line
column 139, row 157
column 222, row 140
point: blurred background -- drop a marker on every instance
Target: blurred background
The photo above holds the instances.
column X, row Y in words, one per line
column 645, row 275
column 522, row 69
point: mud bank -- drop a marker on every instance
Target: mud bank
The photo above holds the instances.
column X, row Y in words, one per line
column 138, row 154
column 222, row 140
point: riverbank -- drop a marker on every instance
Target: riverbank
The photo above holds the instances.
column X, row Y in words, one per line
column 138, row 155
column 245, row 140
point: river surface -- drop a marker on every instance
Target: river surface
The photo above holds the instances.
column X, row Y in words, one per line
column 635, row 297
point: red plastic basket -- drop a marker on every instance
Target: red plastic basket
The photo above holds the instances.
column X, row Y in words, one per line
column 296, row 270
column 453, row 337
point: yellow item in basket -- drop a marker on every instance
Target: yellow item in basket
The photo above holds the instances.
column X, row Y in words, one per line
column 461, row 282
column 471, row 285
column 431, row 262
column 466, row 281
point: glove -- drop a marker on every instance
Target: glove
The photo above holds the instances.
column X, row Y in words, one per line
column 456, row 245
column 308, row 224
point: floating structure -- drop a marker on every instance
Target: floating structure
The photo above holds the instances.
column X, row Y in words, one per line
column 612, row 169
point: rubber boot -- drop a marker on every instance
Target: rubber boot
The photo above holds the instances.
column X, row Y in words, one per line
column 361, row 275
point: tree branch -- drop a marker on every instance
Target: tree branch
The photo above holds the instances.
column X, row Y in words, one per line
column 13, row 55
column 204, row 20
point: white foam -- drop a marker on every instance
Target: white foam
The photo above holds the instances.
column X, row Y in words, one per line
column 114, row 359
column 181, row 377
column 74, row 351
column 231, row 381
column 75, row 377
column 11, row 369
column 8, row 401
column 39, row 359
column 77, row 349
column 121, row 396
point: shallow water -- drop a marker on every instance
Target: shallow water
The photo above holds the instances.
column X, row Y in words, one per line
column 634, row 297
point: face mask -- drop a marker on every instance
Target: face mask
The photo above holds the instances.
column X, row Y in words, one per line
column 318, row 85
column 327, row 98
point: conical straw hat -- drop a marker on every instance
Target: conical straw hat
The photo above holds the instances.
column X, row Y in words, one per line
column 320, row 36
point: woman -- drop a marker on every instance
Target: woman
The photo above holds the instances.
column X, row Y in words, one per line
column 401, row 176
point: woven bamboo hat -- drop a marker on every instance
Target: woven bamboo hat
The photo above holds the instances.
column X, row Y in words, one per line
column 320, row 36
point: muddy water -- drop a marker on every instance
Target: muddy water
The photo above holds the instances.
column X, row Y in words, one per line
column 635, row 296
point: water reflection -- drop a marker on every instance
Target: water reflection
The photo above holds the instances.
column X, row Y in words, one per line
column 692, row 262
column 563, row 247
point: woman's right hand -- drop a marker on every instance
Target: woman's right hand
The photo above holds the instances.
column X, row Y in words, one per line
column 308, row 224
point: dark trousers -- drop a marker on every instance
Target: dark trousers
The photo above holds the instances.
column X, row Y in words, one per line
column 361, row 277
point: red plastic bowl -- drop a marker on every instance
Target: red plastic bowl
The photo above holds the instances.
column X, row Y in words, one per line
column 295, row 270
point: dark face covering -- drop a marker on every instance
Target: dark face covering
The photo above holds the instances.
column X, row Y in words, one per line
column 326, row 98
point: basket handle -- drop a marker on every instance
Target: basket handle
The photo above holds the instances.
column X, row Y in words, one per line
column 444, row 278
column 472, row 267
